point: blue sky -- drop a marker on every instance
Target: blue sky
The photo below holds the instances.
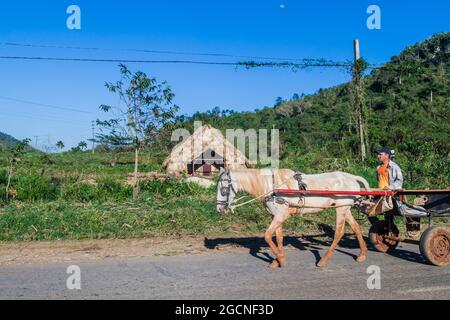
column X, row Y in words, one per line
column 283, row 28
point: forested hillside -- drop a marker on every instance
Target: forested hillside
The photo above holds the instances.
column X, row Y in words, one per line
column 6, row 140
column 407, row 109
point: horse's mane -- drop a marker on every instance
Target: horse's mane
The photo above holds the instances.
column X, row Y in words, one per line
column 260, row 181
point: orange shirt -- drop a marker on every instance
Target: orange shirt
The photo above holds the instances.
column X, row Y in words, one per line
column 383, row 176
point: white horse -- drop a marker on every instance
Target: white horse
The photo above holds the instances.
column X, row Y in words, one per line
column 261, row 183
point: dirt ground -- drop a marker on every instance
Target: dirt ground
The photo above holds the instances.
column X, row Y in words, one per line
column 24, row 253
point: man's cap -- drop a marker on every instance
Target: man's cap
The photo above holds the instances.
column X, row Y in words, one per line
column 384, row 150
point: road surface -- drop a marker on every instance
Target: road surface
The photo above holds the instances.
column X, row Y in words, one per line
column 235, row 273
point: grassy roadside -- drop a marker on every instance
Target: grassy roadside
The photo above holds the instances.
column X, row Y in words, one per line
column 152, row 217
column 181, row 216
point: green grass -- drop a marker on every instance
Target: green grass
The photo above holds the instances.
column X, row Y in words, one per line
column 181, row 216
column 187, row 215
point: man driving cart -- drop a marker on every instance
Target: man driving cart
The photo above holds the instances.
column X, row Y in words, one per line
column 388, row 172
column 390, row 177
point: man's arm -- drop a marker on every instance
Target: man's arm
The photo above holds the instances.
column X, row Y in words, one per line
column 397, row 183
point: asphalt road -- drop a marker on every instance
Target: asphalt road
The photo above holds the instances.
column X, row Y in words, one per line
column 235, row 274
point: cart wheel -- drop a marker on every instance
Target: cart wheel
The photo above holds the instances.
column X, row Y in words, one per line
column 377, row 236
column 435, row 245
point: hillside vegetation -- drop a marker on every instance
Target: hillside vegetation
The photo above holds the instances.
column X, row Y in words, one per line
column 6, row 141
column 407, row 109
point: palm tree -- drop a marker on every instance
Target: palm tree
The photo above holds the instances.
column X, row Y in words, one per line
column 82, row 145
column 60, row 145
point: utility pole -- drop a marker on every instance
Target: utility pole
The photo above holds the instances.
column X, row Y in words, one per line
column 93, row 136
column 359, row 108
column 48, row 147
column 36, row 141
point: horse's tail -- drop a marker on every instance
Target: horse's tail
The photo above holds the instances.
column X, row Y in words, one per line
column 363, row 181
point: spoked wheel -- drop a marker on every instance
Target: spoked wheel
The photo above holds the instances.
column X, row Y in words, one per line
column 381, row 235
column 435, row 245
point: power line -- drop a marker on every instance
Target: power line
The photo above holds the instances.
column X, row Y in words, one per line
column 307, row 63
column 46, row 105
column 34, row 117
column 116, row 60
column 150, row 51
column 339, row 64
column 294, row 65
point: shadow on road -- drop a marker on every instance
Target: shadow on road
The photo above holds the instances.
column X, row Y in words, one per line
column 255, row 244
column 409, row 256
column 312, row 243
column 349, row 241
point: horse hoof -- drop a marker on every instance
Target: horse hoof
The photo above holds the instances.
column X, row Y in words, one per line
column 361, row 258
column 274, row 264
column 322, row 263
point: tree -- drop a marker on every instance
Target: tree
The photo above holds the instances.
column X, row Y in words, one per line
column 146, row 106
column 60, row 145
column 278, row 101
column 82, row 145
column 15, row 154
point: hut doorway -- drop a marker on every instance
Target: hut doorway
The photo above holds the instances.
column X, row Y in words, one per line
column 206, row 164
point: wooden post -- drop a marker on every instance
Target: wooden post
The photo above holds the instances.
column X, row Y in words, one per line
column 192, row 153
column 356, row 49
column 357, row 99
column 93, row 136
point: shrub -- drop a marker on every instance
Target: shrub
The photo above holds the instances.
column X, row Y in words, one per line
column 170, row 188
column 107, row 189
column 35, row 187
column 113, row 189
column 80, row 191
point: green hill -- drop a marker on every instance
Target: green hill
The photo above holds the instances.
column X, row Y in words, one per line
column 7, row 140
column 407, row 109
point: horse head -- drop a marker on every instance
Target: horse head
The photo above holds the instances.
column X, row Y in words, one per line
column 226, row 191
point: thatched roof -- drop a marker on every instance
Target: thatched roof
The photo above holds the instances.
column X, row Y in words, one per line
column 204, row 139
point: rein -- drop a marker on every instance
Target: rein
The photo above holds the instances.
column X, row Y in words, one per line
column 225, row 191
column 232, row 207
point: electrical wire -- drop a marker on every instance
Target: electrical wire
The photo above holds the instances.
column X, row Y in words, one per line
column 46, row 105
column 149, row 51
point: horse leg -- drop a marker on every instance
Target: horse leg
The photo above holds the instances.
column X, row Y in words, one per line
column 339, row 232
column 268, row 237
column 281, row 250
column 355, row 227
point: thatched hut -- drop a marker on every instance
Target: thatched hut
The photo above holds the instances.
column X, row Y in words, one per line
column 204, row 153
